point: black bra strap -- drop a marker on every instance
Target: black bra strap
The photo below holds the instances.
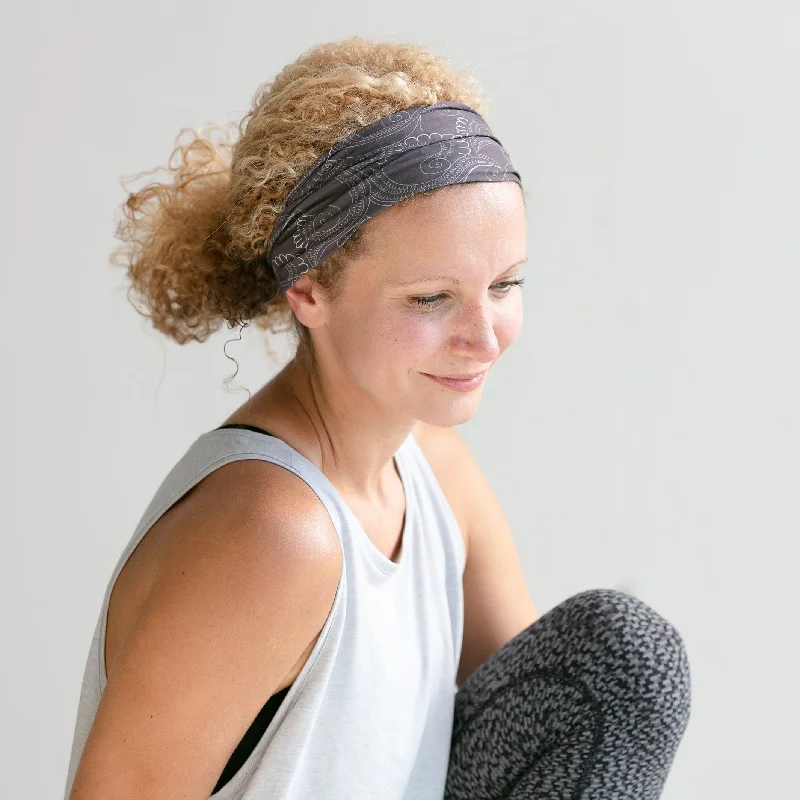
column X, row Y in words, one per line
column 246, row 427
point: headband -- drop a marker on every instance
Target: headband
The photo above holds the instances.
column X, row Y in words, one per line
column 405, row 153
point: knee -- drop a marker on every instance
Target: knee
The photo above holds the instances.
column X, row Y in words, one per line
column 615, row 618
column 627, row 645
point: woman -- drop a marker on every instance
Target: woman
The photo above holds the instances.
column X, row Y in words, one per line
column 323, row 599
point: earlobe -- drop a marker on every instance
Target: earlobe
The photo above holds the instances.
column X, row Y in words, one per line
column 304, row 301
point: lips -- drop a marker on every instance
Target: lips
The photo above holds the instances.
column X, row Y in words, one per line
column 459, row 384
column 460, row 377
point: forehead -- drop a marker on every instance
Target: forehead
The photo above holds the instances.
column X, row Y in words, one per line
column 476, row 223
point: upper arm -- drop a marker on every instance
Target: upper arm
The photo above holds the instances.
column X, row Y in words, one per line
column 497, row 602
column 243, row 588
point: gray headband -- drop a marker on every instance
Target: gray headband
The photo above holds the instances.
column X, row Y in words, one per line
column 408, row 152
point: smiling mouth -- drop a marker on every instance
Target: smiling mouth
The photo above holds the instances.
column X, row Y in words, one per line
column 458, row 377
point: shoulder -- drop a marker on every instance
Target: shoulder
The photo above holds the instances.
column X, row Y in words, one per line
column 448, row 454
column 259, row 504
column 247, row 525
column 250, row 518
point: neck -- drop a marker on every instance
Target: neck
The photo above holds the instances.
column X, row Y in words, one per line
column 345, row 432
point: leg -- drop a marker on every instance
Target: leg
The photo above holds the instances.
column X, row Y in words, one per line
column 588, row 703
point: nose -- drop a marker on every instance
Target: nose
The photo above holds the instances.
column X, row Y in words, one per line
column 475, row 332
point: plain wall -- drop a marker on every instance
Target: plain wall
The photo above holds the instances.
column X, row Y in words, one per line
column 642, row 433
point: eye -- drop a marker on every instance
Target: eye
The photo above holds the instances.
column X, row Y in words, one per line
column 431, row 301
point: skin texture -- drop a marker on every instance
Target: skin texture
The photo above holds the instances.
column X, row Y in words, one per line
column 373, row 344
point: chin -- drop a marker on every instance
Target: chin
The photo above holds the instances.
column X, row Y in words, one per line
column 449, row 416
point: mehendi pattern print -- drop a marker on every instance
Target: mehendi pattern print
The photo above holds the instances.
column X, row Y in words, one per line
column 405, row 153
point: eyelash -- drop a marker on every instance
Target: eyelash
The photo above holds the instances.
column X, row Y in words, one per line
column 430, row 301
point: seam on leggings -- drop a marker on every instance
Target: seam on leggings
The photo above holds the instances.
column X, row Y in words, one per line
column 559, row 677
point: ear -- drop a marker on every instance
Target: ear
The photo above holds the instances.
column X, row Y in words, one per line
column 305, row 299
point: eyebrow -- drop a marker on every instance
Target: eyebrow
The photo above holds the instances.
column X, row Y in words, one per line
column 449, row 278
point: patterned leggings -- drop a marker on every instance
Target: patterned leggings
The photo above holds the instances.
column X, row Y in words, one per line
column 588, row 703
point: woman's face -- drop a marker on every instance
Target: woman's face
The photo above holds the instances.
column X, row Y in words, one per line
column 432, row 294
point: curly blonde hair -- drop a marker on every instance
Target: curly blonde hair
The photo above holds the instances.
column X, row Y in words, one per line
column 192, row 243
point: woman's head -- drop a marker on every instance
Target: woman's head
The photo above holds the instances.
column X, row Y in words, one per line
column 431, row 291
column 194, row 246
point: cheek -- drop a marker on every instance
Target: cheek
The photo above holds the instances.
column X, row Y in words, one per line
column 404, row 341
column 385, row 342
column 416, row 337
column 389, row 341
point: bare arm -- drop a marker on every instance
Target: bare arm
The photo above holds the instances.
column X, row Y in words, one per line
column 243, row 588
column 497, row 603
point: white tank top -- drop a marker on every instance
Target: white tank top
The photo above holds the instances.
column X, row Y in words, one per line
column 370, row 714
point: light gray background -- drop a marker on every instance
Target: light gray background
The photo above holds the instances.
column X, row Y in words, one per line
column 643, row 431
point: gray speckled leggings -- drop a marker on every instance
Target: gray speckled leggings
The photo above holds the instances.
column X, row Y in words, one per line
column 588, row 703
